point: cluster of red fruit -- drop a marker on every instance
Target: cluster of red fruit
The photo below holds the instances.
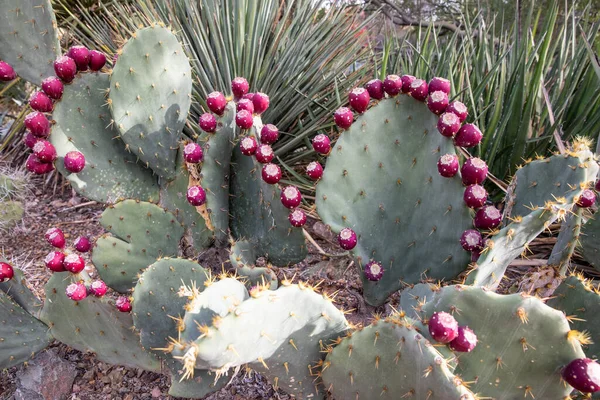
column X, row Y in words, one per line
column 444, row 328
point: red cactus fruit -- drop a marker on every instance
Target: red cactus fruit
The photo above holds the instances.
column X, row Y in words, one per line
column 248, row 146
column 123, row 304
column 244, row 119
column 74, row 161
column 76, row 291
column 7, row 72
column 81, row 56
column 392, row 85
column 347, row 239
column 458, row 108
column 65, row 68
column 597, row 187
column 343, row 117
column 245, row 104
column 475, row 196
column 322, row 144
column 53, row 87
column 45, row 151
column 418, row 89
column 74, row 263
column 6, row 272
column 55, row 237
column 39, row 101
column 586, row 199
column 437, row 102
column 192, row 153
column 297, row 218
column 82, row 244
column 97, row 60
column 487, row 217
column 443, row 327
column 583, row 374
column 261, row 102
column 216, row 102
column 30, row 140
column 98, row 288
column 439, row 84
column 314, row 170
column 291, row 197
column 264, row 154
column 271, row 173
column 269, row 134
column 38, row 124
column 207, row 122
column 471, row 240
column 196, row 196
column 55, row 261
column 373, row 271
column 465, row 341
column 406, row 81
column 375, row 89
column 468, row 136
column 448, row 124
column 35, row 165
column 359, row 100
column 448, row 165
column 474, row 170
column 239, row 87
column 248, row 96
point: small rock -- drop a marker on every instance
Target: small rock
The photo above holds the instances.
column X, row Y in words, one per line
column 156, row 392
column 47, row 377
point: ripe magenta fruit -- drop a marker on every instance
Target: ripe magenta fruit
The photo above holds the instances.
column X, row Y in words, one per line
column 82, row 244
column 443, row 327
column 248, row 146
column 269, row 134
column 39, row 101
column 30, row 140
column 406, row 81
column 6, row 272
column 76, row 291
column 373, row 271
column 375, row 89
column 448, row 124
column 7, row 72
column 98, row 288
column 45, row 151
column 243, row 119
column 216, row 102
column 487, row 217
column 264, row 154
column 343, row 117
column 74, row 263
column 207, row 122
column 248, row 96
column 583, row 374
column 192, row 152
column 347, row 239
column 297, row 218
column 468, row 136
column 597, row 187
column 55, row 237
column 123, row 304
column 291, row 197
column 314, row 170
column 437, row 102
column 55, row 261
column 81, row 56
column 322, row 144
column 439, row 84
column 418, row 89
column 271, row 173
column 471, row 240
column 239, row 87
column 245, row 104
column 475, row 196
column 65, row 68
column 392, row 85
column 465, row 341
column 359, row 100
column 74, row 161
column 35, row 165
column 97, row 60
column 458, row 108
column 448, row 165
column 586, row 199
column 474, row 170
column 53, row 87
column 196, row 196
column 261, row 102
column 38, row 124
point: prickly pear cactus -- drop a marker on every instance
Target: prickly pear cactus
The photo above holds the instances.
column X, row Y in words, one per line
column 18, row 290
column 523, row 358
column 567, row 240
column 413, row 298
column 242, row 257
column 590, row 241
column 29, row 38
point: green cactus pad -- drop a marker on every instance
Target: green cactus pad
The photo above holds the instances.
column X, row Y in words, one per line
column 200, row 385
column 522, row 343
column 11, row 212
column 412, row 299
column 567, row 240
column 141, row 233
column 257, row 215
column 548, row 179
column 390, row 359
column 21, row 335
column 29, row 38
column 18, row 290
column 381, row 180
column 242, row 257
column 83, row 123
column 590, row 241
column 94, row 325
column 502, row 248
column 150, row 91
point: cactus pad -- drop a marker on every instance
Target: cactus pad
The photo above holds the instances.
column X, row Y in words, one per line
column 567, row 240
column 17, row 289
column 590, row 241
column 11, row 212
column 412, row 299
column 242, row 257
